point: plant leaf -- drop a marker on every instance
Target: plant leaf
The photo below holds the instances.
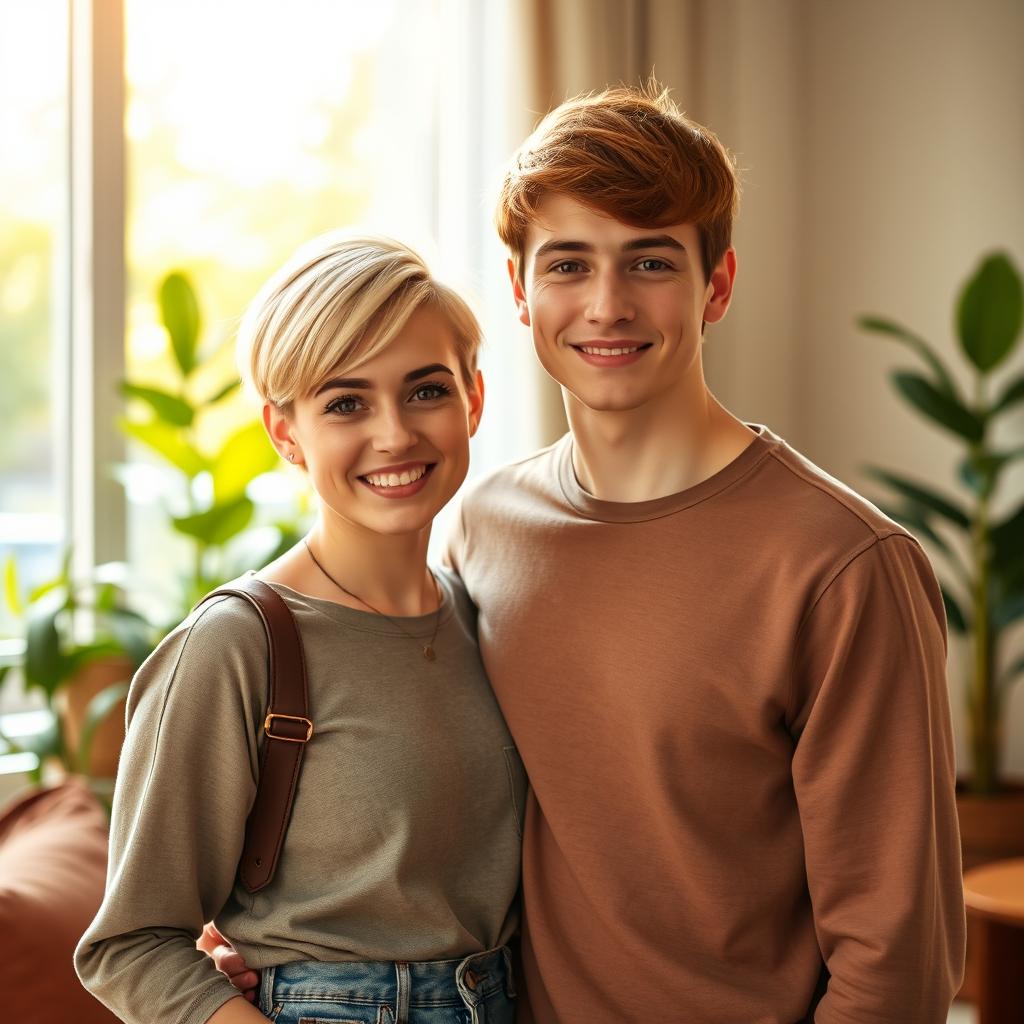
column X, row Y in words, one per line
column 166, row 442
column 246, row 454
column 44, row 588
column 179, row 310
column 45, row 665
column 43, row 744
column 943, row 379
column 100, row 707
column 133, row 633
column 1008, row 609
column 1011, row 673
column 217, row 524
column 954, row 615
column 990, row 312
column 981, row 472
column 1007, row 538
column 1012, row 393
column 921, row 495
column 12, row 588
column 219, row 396
column 169, row 408
column 937, row 406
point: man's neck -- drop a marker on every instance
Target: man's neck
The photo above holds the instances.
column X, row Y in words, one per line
column 648, row 453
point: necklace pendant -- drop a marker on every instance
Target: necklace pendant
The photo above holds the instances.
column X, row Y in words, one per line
column 428, row 652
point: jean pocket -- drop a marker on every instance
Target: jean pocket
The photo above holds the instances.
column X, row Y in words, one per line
column 517, row 785
column 374, row 1015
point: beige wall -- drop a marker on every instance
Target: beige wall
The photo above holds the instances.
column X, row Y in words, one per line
column 882, row 147
column 883, row 150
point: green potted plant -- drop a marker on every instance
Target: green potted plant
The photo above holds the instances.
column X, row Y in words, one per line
column 215, row 517
column 983, row 589
column 82, row 645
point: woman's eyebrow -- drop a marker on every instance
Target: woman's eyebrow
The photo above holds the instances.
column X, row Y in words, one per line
column 426, row 371
column 354, row 383
column 362, row 384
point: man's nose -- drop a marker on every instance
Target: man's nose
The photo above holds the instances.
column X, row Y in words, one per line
column 608, row 300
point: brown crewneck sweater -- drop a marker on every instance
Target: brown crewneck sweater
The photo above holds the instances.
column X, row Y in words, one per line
column 732, row 706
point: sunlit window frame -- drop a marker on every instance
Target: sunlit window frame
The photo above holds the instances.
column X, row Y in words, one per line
column 88, row 295
column 90, row 298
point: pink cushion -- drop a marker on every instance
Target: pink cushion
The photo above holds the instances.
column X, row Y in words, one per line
column 53, row 864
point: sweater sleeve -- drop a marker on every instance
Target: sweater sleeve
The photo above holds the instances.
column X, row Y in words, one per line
column 186, row 782
column 874, row 776
column 455, row 544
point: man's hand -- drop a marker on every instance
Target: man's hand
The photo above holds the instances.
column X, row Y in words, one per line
column 228, row 962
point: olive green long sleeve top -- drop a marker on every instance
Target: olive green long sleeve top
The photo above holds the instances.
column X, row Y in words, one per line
column 404, row 840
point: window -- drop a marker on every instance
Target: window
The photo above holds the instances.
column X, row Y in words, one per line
column 247, row 130
column 33, row 311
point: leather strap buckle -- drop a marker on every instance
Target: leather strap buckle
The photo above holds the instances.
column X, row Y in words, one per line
column 289, row 718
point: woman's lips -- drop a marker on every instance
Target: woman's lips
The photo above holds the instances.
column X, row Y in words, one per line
column 398, row 490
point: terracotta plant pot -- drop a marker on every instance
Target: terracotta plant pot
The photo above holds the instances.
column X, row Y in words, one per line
column 109, row 735
column 991, row 829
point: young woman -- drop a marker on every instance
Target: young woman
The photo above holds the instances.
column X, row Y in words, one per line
column 395, row 891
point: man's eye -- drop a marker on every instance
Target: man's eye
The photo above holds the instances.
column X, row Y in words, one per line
column 567, row 267
column 653, row 264
column 346, row 405
column 431, row 392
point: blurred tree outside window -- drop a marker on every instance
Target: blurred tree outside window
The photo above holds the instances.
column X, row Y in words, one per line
column 33, row 247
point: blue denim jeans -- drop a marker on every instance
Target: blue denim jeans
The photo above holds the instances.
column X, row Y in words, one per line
column 476, row 990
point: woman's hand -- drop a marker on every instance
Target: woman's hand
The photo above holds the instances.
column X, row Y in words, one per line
column 228, row 962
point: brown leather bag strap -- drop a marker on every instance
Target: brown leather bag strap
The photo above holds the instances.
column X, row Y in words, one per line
column 287, row 729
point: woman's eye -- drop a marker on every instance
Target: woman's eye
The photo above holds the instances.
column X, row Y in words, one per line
column 430, row 392
column 346, row 405
column 653, row 264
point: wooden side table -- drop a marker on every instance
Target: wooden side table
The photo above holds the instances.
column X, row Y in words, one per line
column 994, row 895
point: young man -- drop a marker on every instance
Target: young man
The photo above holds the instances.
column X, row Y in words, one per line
column 723, row 669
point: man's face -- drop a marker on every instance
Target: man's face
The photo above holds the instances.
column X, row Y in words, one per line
column 616, row 311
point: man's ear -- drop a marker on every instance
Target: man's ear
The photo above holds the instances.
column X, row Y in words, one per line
column 719, row 290
column 282, row 436
column 475, row 396
column 518, row 294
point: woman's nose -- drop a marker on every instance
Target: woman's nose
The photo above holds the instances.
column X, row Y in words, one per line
column 392, row 433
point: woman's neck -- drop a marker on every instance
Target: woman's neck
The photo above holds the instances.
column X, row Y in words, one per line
column 360, row 569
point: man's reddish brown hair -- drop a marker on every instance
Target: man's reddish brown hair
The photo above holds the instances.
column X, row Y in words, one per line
column 629, row 153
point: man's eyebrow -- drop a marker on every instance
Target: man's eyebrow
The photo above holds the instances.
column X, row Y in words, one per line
column 647, row 242
column 362, row 384
column 654, row 242
column 561, row 245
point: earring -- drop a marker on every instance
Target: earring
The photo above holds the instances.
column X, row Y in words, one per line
column 290, row 456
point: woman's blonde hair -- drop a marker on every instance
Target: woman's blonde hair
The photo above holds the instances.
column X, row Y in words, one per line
column 341, row 300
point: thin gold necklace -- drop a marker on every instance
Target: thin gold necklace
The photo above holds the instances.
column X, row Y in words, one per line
column 428, row 650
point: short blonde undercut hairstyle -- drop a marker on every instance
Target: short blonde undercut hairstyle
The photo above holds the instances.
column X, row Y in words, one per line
column 340, row 301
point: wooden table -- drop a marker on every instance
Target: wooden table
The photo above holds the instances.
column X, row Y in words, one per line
column 994, row 894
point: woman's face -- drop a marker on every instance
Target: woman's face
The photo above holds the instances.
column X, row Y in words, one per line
column 386, row 443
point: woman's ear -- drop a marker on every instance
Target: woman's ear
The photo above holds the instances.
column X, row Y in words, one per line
column 281, row 432
column 475, row 400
